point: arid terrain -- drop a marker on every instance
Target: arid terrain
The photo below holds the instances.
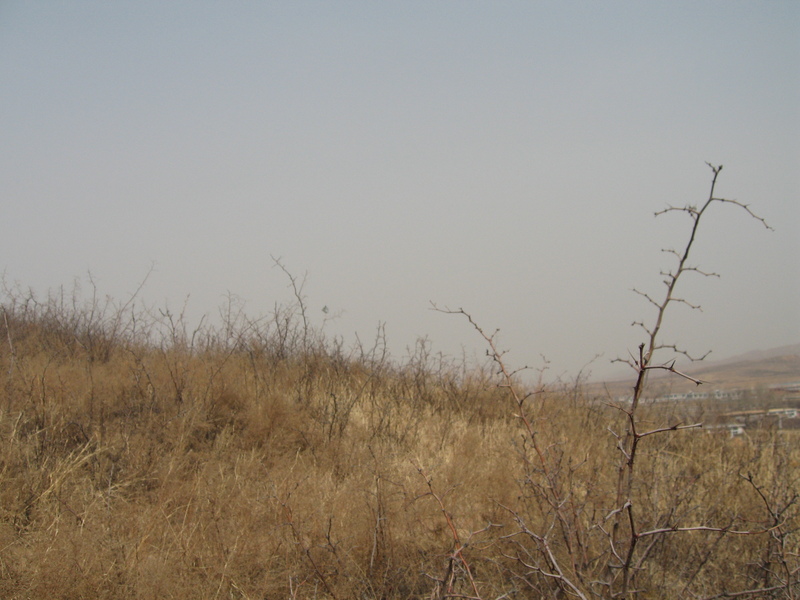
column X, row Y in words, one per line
column 259, row 460
column 756, row 370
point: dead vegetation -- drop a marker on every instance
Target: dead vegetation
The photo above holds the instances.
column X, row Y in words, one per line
column 141, row 459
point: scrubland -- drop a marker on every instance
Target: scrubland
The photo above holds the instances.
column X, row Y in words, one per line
column 141, row 458
column 258, row 459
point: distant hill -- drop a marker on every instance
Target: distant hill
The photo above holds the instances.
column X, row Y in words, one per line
column 793, row 350
column 753, row 369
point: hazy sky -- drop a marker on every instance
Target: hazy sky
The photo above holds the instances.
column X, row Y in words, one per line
column 503, row 157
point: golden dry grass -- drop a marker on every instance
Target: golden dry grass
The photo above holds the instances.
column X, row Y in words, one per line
column 261, row 461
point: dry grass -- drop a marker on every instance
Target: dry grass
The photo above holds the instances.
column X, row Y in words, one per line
column 139, row 460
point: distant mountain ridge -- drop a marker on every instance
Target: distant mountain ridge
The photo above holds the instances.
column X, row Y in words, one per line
column 793, row 349
column 744, row 371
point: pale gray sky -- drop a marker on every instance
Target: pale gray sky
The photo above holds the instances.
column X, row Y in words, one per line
column 503, row 157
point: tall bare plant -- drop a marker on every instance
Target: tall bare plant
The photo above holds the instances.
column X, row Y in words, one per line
column 558, row 547
column 627, row 558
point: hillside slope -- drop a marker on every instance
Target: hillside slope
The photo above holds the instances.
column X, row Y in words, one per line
column 760, row 368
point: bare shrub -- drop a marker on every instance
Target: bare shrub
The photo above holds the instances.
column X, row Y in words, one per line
column 594, row 525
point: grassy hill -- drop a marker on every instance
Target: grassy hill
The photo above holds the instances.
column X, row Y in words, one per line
column 142, row 460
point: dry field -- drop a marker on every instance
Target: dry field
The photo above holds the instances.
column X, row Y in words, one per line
column 259, row 460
